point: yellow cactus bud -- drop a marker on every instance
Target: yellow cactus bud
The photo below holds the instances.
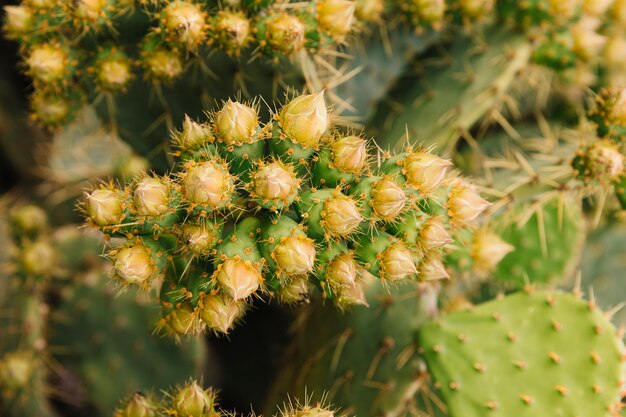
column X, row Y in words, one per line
column 38, row 258
column 104, row 207
column 369, row 10
column 432, row 268
column 285, row 33
column 351, row 295
column 305, row 119
column 183, row 320
column 487, row 251
column 220, row 313
column 114, row 73
column 208, row 184
column 236, row 123
column 48, row 63
column 163, row 64
column 476, row 8
column 340, row 216
column 238, row 278
column 604, row 162
column 342, row 271
column 335, row 17
column 200, row 239
column 151, row 197
column 275, row 181
column 16, row 370
column 90, row 10
column 186, row 23
column 397, row 262
column 313, row 412
column 587, row 41
column 50, row 109
column 193, row 135
column 388, row 199
column 295, row 291
column 596, row 8
column 433, row 234
column 138, row 406
column 295, row 255
column 232, row 30
column 350, row 154
column 424, row 171
column 429, row 11
column 29, row 219
column 134, row 264
column 18, row 21
column 465, row 204
column 193, row 401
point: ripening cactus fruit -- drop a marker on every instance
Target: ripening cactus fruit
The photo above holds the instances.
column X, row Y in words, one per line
column 253, row 210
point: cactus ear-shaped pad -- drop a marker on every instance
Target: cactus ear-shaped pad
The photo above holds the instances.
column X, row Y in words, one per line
column 528, row 354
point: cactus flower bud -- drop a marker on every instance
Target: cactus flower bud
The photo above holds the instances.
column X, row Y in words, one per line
column 18, row 21
column 220, row 313
column 285, row 33
column 429, row 11
column 193, row 401
column 138, row 406
column 232, row 30
column 350, row 154
column 476, row 8
column 341, row 216
column 38, row 258
column 48, row 63
column 465, row 204
column 114, row 73
column 151, row 197
column 50, row 109
column 193, row 135
column 134, row 264
column 200, row 239
column 163, row 64
column 432, row 269
column 397, row 263
column 433, row 234
column 369, row 10
column 305, row 119
column 132, row 166
column 239, row 278
column 30, row 219
column 388, row 199
column 313, row 412
column 351, row 295
column 587, row 41
column 596, row 8
column 424, row 171
column 236, row 123
column 335, row 17
column 208, row 184
column 488, row 249
column 295, row 291
column 603, row 162
column 183, row 320
column 342, row 271
column 90, row 10
column 16, row 369
column 186, row 23
column 275, row 181
column 104, row 207
column 295, row 255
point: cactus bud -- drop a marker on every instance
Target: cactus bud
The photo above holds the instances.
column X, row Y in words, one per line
column 295, row 291
column 351, row 295
column 587, row 42
column 275, row 181
column 193, row 401
column 132, row 166
column 342, row 271
column 183, row 321
column 104, row 207
column 48, row 63
column 186, row 23
column 432, row 269
column 476, row 8
column 90, row 10
column 433, row 234
column 601, row 162
column 208, row 184
column 305, row 119
column 193, row 135
column 335, row 17
column 114, row 72
column 239, row 278
column 596, row 8
column 341, row 215
column 220, row 313
column 465, row 204
column 295, row 255
column 236, row 123
column 16, row 369
column 18, row 21
column 313, row 412
column 138, row 406
column 369, row 10
column 151, row 197
column 38, row 258
column 487, row 251
column 202, row 238
column 350, row 154
column 134, row 264
column 286, row 33
column 397, row 263
column 50, row 109
column 428, row 11
column 163, row 64
column 29, row 219
column 388, row 199
column 424, row 171
column 232, row 30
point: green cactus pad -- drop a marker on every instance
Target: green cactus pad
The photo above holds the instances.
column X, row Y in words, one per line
column 528, row 354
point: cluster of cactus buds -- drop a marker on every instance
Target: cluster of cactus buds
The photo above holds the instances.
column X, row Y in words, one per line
column 192, row 400
column 278, row 209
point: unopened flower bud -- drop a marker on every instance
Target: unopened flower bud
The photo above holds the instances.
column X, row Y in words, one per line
column 232, row 30
column 38, row 258
column 104, row 207
column 351, row 295
column 433, row 234
column 114, row 73
column 476, row 8
column 236, row 123
column 429, row 11
column 295, row 255
column 200, row 238
column 305, row 119
column 193, row 135
column 151, row 197
column 183, row 320
column 432, row 269
column 208, row 184
column 18, row 21
column 465, row 204
column 425, row 171
column 369, row 10
column 50, row 109
column 30, row 219
column 134, row 264
column 596, row 8
column 138, row 406
column 132, row 166
column 397, row 262
column 295, row 291
column 350, row 154
column 615, row 52
column 388, row 199
column 275, row 181
column 587, row 42
column 48, row 63
column 342, row 271
column 163, row 64
column 335, row 17
column 16, row 369
column 220, row 313
column 603, row 162
column 488, row 249
column 341, row 216
column 193, row 401
column 90, row 10
column 239, row 278
column 185, row 23
column 286, row 33
column 313, row 412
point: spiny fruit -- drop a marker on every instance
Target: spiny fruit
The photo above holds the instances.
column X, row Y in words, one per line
column 250, row 210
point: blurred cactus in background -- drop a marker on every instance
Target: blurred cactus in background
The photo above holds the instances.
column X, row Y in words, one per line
column 316, row 208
